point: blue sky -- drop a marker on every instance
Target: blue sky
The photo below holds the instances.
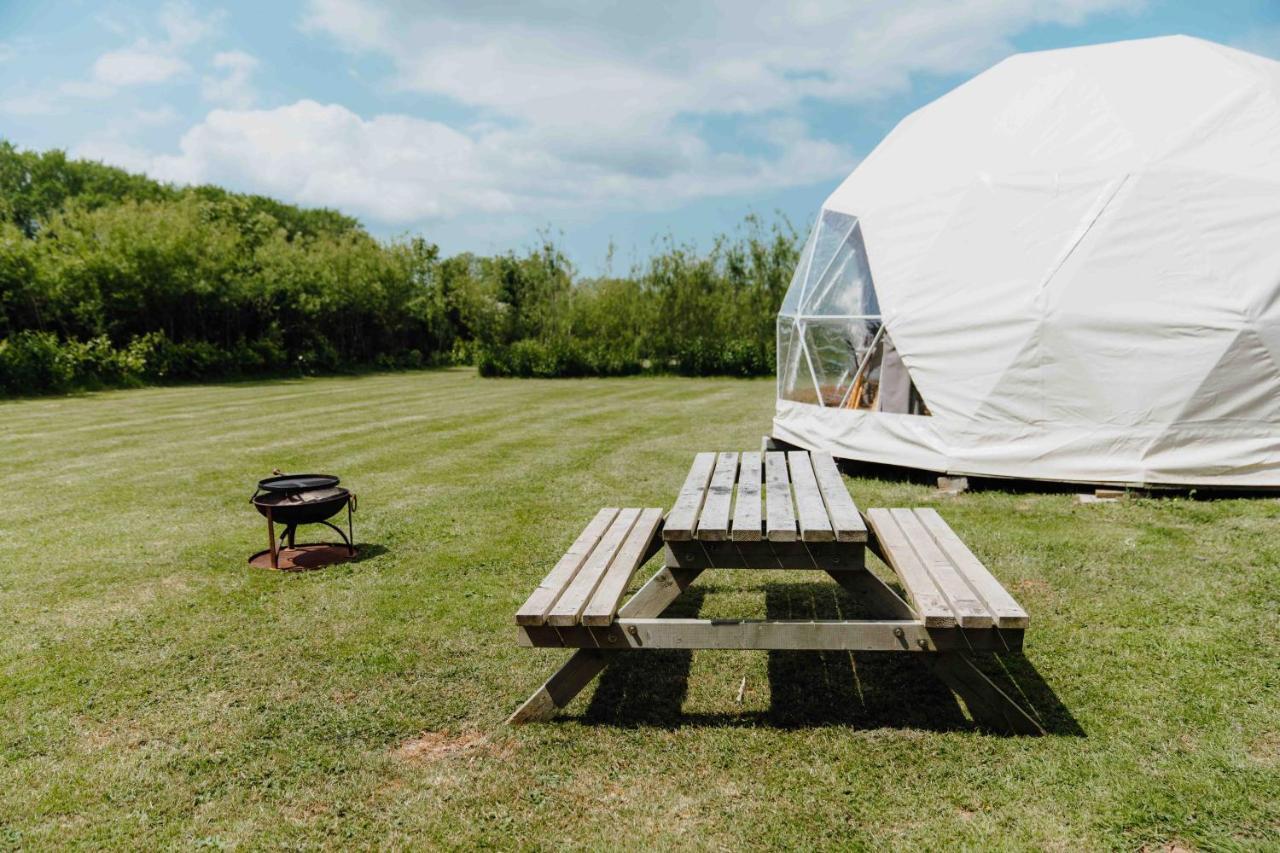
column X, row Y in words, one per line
column 481, row 124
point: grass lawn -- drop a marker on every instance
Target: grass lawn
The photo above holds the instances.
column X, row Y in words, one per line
column 157, row 692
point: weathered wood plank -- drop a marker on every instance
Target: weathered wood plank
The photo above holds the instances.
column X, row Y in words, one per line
column 713, row 522
column 659, row 591
column 534, row 610
column 798, row 634
column 970, row 612
column 889, row 635
column 780, row 517
column 685, row 555
column 811, row 512
column 683, row 518
column 846, row 521
column 838, row 556
column 747, row 525
column 1007, row 612
column 568, row 607
column 926, row 599
column 604, row 601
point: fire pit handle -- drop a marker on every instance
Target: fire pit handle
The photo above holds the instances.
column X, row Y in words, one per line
column 354, row 502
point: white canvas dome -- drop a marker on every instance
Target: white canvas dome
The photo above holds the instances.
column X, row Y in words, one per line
column 1075, row 258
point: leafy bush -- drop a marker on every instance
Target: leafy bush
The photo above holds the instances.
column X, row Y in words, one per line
column 108, row 278
column 98, row 364
column 33, row 361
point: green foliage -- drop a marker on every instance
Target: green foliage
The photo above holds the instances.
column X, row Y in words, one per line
column 31, row 362
column 108, row 278
column 682, row 312
column 530, row 357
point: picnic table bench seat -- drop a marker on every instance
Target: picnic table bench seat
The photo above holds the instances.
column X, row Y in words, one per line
column 945, row 583
column 587, row 583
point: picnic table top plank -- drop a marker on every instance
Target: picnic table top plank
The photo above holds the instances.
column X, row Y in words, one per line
column 846, row 521
column 811, row 511
column 1007, row 612
column 926, row 599
column 746, row 509
column 713, row 522
column 534, row 610
column 683, row 518
column 568, row 607
column 780, row 517
column 800, row 496
column 604, row 601
column 970, row 611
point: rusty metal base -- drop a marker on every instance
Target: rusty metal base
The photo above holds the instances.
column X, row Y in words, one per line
column 305, row 557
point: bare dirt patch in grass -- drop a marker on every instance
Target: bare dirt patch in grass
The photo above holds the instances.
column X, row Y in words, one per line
column 431, row 747
column 121, row 733
column 1034, row 586
column 1266, row 749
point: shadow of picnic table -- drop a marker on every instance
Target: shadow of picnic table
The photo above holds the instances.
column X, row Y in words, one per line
column 860, row 690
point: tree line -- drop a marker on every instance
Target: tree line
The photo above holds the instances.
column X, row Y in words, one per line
column 112, row 279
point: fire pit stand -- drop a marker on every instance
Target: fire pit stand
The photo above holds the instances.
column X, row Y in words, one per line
column 292, row 500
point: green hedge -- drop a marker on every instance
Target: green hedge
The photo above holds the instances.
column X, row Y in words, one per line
column 110, row 279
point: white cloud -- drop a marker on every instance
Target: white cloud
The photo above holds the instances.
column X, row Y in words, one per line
column 233, row 84
column 146, row 61
column 136, row 66
column 111, row 149
column 400, row 170
column 590, row 106
column 596, row 100
column 29, row 104
column 184, row 25
column 111, row 23
column 158, row 117
column 554, row 62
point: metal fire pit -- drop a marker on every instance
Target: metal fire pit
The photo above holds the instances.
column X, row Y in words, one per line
column 296, row 499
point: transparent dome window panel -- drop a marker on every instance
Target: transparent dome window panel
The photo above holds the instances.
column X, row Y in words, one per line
column 844, row 287
column 832, row 350
column 791, row 301
column 833, row 277
column 789, row 355
column 864, row 389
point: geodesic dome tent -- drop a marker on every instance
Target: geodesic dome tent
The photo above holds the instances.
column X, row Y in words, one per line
column 1067, row 268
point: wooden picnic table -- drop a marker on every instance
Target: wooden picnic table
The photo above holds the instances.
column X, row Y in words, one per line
column 784, row 511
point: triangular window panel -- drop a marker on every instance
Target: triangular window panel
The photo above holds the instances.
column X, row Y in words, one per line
column 832, row 347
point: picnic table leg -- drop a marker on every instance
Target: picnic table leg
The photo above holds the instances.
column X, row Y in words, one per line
column 558, row 690
column 867, row 587
column 990, row 706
